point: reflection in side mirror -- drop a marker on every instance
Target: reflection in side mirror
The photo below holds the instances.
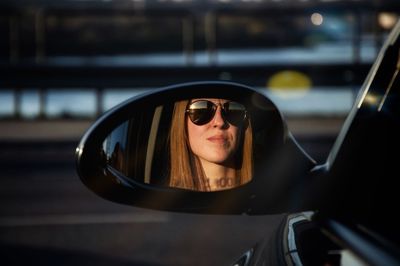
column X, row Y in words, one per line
column 165, row 149
column 196, row 144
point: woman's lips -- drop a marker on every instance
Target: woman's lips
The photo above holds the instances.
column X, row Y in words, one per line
column 218, row 139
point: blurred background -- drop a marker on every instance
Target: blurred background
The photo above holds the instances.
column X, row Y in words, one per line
column 64, row 63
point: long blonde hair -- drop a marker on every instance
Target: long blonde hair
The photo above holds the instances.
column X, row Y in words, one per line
column 185, row 167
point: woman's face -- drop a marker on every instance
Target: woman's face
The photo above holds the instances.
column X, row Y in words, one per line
column 216, row 141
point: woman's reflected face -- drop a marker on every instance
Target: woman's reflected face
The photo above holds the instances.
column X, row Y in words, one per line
column 215, row 141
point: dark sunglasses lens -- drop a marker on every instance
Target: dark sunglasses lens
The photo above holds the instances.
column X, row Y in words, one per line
column 201, row 112
column 235, row 113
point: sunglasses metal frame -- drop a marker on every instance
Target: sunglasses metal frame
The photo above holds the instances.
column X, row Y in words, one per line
column 211, row 112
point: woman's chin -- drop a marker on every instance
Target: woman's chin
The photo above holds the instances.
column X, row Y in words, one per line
column 222, row 161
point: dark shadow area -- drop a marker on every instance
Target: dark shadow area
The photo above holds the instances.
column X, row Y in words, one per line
column 37, row 154
column 14, row 255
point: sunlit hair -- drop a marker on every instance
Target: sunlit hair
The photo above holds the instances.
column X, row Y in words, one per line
column 185, row 167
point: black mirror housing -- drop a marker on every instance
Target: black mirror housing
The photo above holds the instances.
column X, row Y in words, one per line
column 278, row 183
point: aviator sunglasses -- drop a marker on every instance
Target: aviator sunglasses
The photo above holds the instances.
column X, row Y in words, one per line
column 202, row 111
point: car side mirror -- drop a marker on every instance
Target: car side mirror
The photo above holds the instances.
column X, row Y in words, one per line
column 207, row 147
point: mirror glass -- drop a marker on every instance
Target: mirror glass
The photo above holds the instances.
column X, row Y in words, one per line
column 202, row 144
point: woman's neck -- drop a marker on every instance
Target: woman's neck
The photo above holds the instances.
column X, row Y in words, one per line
column 219, row 177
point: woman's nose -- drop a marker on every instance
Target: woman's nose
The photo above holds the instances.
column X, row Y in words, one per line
column 218, row 120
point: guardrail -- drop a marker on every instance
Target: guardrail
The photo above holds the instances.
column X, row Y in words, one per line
column 98, row 79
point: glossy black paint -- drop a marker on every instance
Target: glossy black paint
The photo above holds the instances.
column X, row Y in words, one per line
column 361, row 184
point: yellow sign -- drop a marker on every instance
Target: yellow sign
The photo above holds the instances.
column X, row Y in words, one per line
column 289, row 80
